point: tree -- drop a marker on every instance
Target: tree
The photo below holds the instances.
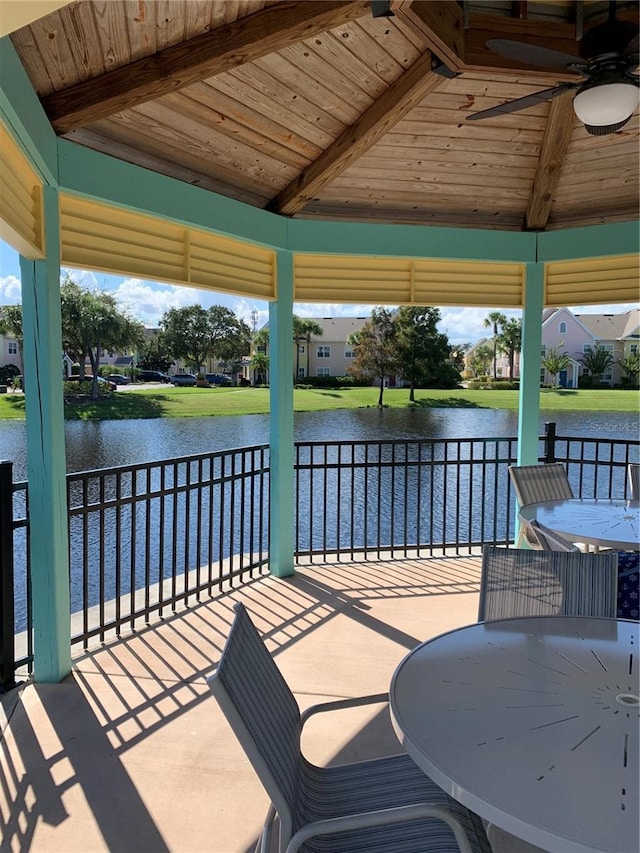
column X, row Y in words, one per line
column 91, row 323
column 555, row 360
column 234, row 347
column 11, row 324
column 155, row 353
column 423, row 353
column 597, row 361
column 195, row 334
column 509, row 341
column 496, row 320
column 375, row 349
column 630, row 365
column 481, row 358
column 260, row 365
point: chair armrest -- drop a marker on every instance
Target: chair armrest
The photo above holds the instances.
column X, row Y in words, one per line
column 338, row 704
column 365, row 820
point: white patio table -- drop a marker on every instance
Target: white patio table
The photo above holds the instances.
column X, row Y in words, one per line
column 606, row 523
column 533, row 724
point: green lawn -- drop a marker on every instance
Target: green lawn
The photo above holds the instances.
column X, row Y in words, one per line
column 203, row 402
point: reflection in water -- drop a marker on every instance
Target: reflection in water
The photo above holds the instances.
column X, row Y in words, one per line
column 104, row 444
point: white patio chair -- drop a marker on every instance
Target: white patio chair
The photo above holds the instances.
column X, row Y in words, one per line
column 549, row 540
column 633, row 470
column 536, row 484
column 519, row 582
column 383, row 805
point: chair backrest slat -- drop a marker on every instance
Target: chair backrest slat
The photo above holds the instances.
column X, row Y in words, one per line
column 262, row 711
column 519, row 582
column 538, row 483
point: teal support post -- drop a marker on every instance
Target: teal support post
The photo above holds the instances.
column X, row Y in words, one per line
column 281, row 453
column 46, row 468
column 530, row 353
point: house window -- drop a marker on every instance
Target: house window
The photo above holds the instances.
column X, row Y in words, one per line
column 301, row 373
column 633, row 349
column 543, row 351
column 12, row 348
column 324, row 352
column 323, row 371
column 301, row 349
column 586, row 347
column 562, row 328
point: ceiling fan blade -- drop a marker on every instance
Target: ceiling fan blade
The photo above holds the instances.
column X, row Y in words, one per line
column 522, row 103
column 632, row 50
column 531, row 54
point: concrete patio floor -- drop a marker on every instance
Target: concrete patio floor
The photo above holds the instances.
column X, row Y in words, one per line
column 130, row 753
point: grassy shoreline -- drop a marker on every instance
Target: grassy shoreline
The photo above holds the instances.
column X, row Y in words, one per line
column 219, row 402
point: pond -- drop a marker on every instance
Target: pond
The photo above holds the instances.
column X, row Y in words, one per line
column 104, row 444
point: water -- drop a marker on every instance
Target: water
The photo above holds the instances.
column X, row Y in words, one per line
column 104, row 444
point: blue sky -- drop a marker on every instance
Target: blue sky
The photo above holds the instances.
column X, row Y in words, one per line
column 148, row 300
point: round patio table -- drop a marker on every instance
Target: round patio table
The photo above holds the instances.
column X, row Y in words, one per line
column 607, row 523
column 533, row 724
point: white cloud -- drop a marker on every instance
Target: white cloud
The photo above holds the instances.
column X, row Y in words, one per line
column 85, row 278
column 148, row 302
column 10, row 290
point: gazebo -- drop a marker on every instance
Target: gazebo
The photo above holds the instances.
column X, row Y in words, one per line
column 301, row 151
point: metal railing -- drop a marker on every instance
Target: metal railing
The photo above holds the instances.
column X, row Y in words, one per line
column 145, row 539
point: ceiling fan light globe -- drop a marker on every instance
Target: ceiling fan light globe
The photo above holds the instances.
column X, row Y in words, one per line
column 606, row 104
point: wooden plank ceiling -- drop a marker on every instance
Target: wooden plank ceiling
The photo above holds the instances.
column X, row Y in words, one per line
column 321, row 110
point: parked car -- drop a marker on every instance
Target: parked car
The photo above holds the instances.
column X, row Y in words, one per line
column 183, row 379
column 217, row 379
column 88, row 378
column 118, row 378
column 154, row 376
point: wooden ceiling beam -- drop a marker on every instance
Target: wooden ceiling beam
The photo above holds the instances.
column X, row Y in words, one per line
column 402, row 96
column 552, row 156
column 441, row 25
column 200, row 58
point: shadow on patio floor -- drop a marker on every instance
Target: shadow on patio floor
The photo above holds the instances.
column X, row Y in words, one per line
column 131, row 753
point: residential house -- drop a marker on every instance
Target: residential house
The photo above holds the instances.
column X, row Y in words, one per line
column 575, row 334
column 9, row 350
column 329, row 354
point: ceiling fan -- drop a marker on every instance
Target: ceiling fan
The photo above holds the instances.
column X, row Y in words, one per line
column 608, row 60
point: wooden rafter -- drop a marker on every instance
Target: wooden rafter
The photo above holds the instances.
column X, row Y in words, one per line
column 204, row 56
column 403, row 95
column 552, row 156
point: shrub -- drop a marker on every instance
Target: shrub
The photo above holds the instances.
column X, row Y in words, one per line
column 7, row 373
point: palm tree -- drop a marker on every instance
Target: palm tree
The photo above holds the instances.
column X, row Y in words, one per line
column 597, row 361
column 303, row 331
column 510, row 341
column 496, row 320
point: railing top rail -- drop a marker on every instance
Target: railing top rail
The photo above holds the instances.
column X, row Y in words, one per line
column 158, row 463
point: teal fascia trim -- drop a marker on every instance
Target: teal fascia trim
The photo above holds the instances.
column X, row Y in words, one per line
column 282, row 449
column 94, row 175
column 622, row 238
column 46, row 467
column 21, row 112
column 529, row 397
column 410, row 241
